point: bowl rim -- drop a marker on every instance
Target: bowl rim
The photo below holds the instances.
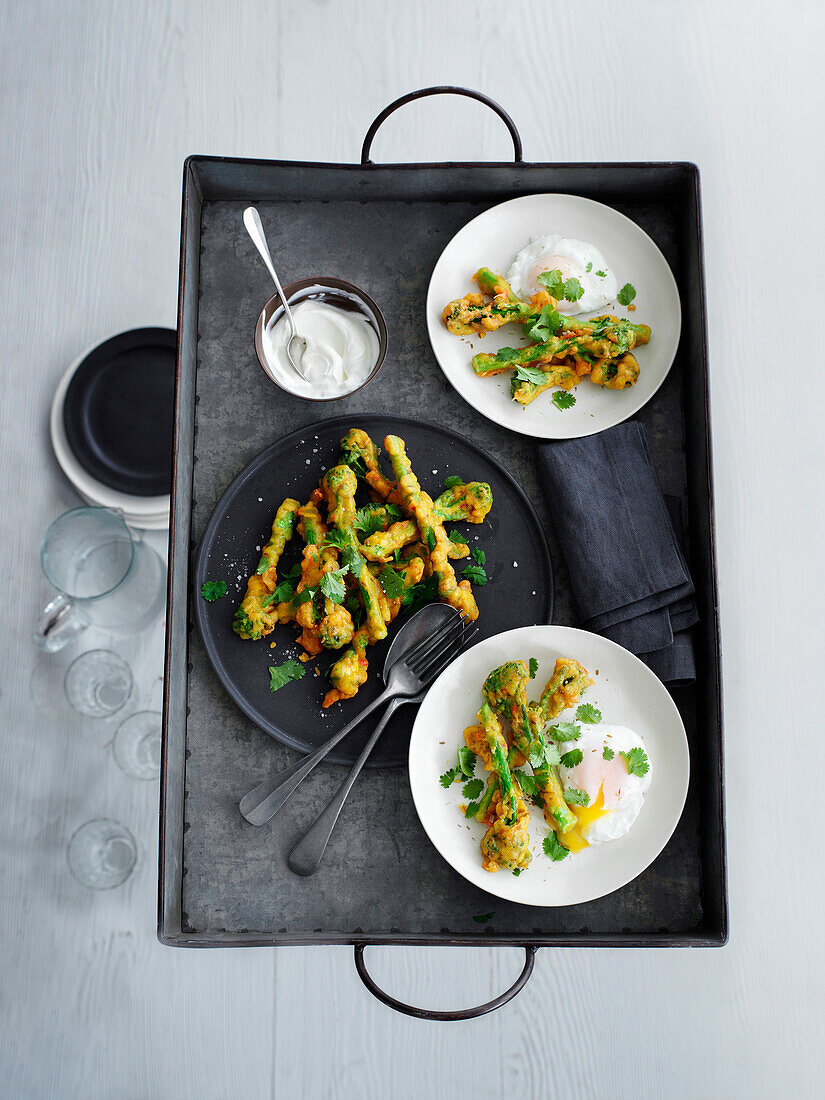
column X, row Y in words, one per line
column 331, row 282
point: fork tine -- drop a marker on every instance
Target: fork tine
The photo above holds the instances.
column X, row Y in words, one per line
column 424, row 649
column 441, row 659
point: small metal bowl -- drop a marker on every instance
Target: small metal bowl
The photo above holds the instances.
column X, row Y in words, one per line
column 337, row 292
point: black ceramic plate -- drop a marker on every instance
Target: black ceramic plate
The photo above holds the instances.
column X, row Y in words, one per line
column 119, row 410
column 519, row 592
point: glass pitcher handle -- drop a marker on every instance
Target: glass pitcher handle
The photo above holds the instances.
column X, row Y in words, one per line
column 59, row 623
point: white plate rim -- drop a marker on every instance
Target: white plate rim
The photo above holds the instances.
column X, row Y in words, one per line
column 491, row 883
column 508, row 417
column 151, row 513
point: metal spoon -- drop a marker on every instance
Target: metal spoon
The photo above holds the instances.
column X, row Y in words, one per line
column 423, row 658
column 306, row 856
column 296, row 345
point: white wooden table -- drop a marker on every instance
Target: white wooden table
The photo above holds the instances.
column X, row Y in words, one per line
column 100, row 104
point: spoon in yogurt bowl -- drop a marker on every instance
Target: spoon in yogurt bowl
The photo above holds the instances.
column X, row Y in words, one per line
column 297, row 345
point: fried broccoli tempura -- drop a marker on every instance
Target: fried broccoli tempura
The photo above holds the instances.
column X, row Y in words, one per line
column 258, row 615
column 506, row 691
column 340, row 579
column 501, row 806
column 598, row 348
column 419, row 505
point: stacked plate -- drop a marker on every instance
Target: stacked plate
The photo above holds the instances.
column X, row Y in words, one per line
column 112, row 421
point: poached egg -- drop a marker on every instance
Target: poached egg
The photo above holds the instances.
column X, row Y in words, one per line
column 575, row 260
column 615, row 795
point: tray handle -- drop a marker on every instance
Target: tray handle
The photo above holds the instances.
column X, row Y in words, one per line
column 442, row 89
column 453, row 1014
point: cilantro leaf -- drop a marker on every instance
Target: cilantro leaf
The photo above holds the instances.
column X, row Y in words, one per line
column 304, row 596
column 565, row 731
column 393, row 512
column 553, row 849
column 475, row 575
column 472, row 788
column 504, row 355
column 527, row 784
column 636, row 760
column 448, row 777
column 572, row 758
column 466, row 761
column 517, row 871
column 573, row 796
column 542, row 755
column 547, row 324
column 336, row 538
column 553, row 282
column 392, row 582
column 367, row 521
column 478, row 555
column 280, row 675
column 352, row 560
column 626, row 294
column 589, row 714
column 332, row 584
column 283, row 592
column 482, row 918
column 534, row 667
column 451, row 481
column 563, row 400
column 418, row 594
column 607, row 753
column 456, row 536
column 532, row 374
column 573, row 290
column 213, row 590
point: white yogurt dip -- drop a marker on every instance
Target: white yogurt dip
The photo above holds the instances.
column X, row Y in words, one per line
column 342, row 349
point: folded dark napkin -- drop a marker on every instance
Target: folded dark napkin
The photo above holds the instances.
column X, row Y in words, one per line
column 619, row 538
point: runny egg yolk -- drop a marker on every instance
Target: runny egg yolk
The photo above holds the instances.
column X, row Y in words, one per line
column 585, row 816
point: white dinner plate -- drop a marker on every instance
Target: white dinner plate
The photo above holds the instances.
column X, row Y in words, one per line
column 625, row 691
column 492, row 240
column 148, row 513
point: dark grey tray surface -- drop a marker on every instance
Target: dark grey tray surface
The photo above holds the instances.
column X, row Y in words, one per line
column 224, row 882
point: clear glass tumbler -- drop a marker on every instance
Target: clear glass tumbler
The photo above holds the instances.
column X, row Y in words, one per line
column 98, row 683
column 104, row 574
column 102, row 854
column 136, row 746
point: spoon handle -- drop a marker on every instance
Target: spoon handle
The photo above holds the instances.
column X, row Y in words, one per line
column 306, row 856
column 252, row 221
column 262, row 803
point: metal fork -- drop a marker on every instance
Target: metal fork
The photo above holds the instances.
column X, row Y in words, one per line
column 408, row 677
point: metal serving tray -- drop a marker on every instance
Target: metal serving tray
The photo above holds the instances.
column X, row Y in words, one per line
column 225, row 883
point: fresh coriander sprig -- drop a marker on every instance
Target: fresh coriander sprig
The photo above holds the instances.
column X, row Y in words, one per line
column 213, row 590
column 588, row 713
column 553, row 849
column 636, row 760
column 626, row 294
column 562, row 399
column 564, row 731
column 280, row 675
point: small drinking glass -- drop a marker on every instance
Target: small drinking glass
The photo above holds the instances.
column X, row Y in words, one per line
column 102, row 854
column 98, row 683
column 104, row 574
column 136, row 746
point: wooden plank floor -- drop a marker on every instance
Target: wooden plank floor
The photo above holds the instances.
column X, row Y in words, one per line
column 99, row 104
